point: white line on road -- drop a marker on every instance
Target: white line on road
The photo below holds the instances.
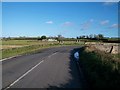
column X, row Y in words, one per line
column 52, row 55
column 9, row 58
column 18, row 56
column 27, row 72
column 23, row 75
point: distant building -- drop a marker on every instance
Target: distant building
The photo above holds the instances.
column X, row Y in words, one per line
column 52, row 40
column 49, row 40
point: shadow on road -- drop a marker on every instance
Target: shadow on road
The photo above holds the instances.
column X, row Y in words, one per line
column 76, row 80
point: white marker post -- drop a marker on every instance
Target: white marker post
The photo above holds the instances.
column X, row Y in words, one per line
column 76, row 55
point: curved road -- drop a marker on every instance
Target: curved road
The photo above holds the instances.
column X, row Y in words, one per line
column 50, row 68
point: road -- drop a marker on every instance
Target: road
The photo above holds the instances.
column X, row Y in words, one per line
column 49, row 68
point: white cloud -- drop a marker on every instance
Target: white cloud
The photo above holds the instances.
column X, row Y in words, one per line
column 104, row 22
column 67, row 24
column 87, row 24
column 49, row 22
column 114, row 26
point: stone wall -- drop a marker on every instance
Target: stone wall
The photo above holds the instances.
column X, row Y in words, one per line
column 107, row 47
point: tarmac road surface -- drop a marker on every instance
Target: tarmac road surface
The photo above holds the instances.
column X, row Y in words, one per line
column 49, row 68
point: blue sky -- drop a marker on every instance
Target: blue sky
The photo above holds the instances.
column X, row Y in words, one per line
column 66, row 18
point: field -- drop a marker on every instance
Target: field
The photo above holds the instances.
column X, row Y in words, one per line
column 18, row 47
column 21, row 43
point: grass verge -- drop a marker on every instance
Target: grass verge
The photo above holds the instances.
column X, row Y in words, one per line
column 102, row 70
column 29, row 49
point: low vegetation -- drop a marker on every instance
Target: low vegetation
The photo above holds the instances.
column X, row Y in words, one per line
column 23, row 50
column 102, row 70
column 19, row 47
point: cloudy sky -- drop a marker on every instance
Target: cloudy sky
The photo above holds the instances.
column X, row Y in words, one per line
column 66, row 18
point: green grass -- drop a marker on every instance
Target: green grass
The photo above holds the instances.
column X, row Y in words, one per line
column 102, row 70
column 35, row 42
column 34, row 46
column 18, row 51
column 24, row 42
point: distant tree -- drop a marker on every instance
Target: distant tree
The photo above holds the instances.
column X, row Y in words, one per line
column 3, row 38
column 77, row 37
column 60, row 38
column 83, row 36
column 91, row 36
column 87, row 36
column 43, row 37
column 9, row 38
column 100, row 36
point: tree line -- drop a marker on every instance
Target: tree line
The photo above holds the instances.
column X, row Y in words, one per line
column 60, row 38
column 91, row 36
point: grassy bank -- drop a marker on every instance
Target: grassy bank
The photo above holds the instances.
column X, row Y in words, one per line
column 31, row 49
column 102, row 70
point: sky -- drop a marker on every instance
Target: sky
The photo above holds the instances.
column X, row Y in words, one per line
column 70, row 19
column 60, row 0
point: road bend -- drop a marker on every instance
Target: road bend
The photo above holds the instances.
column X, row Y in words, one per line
column 49, row 68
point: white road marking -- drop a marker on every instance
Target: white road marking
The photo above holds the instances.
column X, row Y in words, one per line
column 27, row 72
column 9, row 58
column 23, row 75
column 52, row 55
column 18, row 56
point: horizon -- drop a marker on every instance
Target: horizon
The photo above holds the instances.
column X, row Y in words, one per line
column 49, row 36
column 70, row 19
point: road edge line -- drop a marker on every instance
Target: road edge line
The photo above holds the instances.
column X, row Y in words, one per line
column 9, row 58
